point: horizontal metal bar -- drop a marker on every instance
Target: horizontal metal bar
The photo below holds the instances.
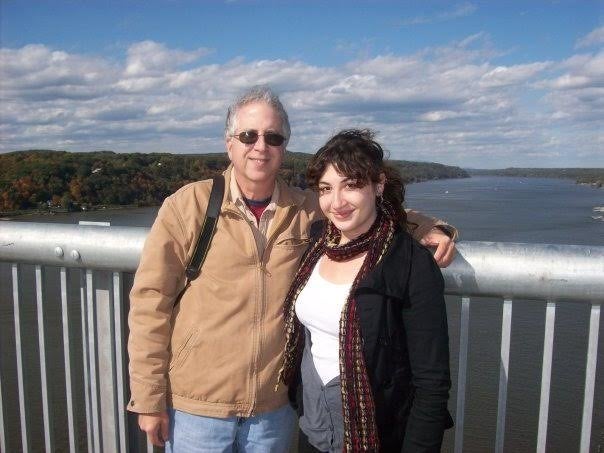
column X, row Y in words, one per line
column 81, row 246
column 532, row 271
column 527, row 271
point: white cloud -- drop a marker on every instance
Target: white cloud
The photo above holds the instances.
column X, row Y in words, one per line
column 35, row 71
column 450, row 104
column 576, row 92
column 459, row 10
column 512, row 75
column 439, row 115
column 152, row 58
column 594, row 38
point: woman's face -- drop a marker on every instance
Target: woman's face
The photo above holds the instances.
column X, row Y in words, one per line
column 351, row 208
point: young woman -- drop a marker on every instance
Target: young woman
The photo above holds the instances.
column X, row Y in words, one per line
column 365, row 317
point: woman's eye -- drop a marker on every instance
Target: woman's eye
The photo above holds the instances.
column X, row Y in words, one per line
column 323, row 190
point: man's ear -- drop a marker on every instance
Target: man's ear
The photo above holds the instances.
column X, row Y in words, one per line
column 229, row 145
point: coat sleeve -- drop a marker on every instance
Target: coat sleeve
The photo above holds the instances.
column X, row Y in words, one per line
column 425, row 324
column 158, row 281
column 420, row 225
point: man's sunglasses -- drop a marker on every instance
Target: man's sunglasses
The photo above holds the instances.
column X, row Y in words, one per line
column 250, row 137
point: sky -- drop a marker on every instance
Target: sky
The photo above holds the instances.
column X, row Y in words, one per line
column 478, row 84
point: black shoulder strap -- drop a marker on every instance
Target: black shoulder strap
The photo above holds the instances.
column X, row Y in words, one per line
column 207, row 230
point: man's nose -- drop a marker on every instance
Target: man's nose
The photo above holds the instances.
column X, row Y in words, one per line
column 260, row 144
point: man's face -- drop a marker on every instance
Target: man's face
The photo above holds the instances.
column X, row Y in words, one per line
column 256, row 164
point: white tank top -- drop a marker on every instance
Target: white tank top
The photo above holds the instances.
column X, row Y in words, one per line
column 319, row 308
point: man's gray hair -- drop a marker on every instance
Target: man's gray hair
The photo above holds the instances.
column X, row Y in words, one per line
column 257, row 94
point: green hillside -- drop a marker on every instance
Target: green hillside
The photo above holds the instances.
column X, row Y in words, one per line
column 42, row 179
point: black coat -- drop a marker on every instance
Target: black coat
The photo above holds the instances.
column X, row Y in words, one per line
column 403, row 323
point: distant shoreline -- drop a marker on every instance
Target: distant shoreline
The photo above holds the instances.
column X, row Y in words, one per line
column 7, row 215
column 593, row 177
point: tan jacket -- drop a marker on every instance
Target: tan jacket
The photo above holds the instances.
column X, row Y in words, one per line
column 217, row 353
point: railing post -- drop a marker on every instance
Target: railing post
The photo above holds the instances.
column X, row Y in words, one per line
column 92, row 362
column 464, row 327
column 120, row 362
column 48, row 418
column 546, row 373
column 590, row 377
column 506, row 330
column 105, row 329
column 86, row 360
column 21, row 375
column 68, row 360
column 2, row 425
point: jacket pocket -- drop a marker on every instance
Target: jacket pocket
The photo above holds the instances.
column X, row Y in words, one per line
column 183, row 350
column 292, row 242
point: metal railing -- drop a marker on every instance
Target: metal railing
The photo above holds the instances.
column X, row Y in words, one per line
column 556, row 274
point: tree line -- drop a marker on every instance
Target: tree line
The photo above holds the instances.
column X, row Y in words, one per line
column 45, row 179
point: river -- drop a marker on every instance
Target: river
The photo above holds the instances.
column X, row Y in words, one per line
column 510, row 209
column 489, row 208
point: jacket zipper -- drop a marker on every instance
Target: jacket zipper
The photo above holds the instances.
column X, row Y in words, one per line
column 255, row 320
column 262, row 272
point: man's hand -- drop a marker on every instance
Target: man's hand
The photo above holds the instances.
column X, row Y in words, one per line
column 156, row 427
column 445, row 246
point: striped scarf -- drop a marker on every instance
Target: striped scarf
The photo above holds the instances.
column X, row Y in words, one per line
column 360, row 430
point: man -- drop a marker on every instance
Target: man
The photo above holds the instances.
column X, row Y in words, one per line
column 203, row 372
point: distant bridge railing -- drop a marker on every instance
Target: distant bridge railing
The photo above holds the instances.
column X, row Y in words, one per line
column 106, row 255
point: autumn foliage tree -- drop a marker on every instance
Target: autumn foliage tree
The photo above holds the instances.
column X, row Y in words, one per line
column 31, row 179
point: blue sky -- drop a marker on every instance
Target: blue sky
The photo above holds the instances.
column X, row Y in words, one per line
column 477, row 84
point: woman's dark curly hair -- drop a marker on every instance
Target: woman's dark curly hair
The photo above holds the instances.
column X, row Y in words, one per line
column 355, row 154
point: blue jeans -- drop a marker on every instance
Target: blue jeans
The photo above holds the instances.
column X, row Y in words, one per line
column 263, row 433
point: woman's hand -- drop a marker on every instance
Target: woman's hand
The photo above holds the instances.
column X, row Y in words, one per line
column 156, row 427
column 445, row 246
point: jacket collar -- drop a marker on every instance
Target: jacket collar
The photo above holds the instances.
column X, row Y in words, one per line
column 287, row 196
column 391, row 273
